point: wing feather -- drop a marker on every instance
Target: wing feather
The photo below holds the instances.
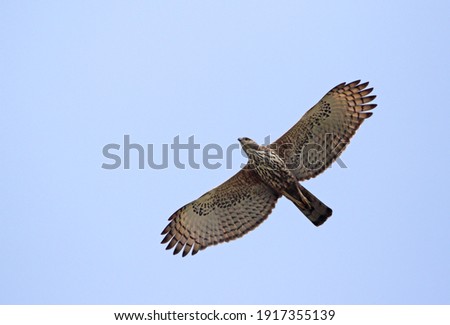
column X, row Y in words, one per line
column 227, row 212
column 321, row 135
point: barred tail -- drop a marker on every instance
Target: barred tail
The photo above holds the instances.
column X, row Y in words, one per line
column 313, row 208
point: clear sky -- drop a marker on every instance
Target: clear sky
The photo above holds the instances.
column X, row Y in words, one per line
column 78, row 75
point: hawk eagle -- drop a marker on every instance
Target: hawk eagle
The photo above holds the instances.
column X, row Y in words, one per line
column 239, row 205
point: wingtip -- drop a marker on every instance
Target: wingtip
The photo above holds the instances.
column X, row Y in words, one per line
column 351, row 85
column 172, row 243
column 368, row 107
column 166, row 239
column 165, row 230
column 178, row 248
column 364, row 85
column 364, row 91
column 354, row 83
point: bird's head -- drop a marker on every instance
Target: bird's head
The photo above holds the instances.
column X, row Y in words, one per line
column 248, row 144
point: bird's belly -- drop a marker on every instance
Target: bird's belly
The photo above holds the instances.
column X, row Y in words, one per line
column 277, row 178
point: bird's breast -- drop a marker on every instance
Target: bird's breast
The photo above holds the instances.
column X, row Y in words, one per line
column 272, row 170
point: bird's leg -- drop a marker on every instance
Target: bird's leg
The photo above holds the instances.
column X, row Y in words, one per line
column 303, row 197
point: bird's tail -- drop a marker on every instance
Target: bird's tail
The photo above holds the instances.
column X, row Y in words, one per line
column 308, row 204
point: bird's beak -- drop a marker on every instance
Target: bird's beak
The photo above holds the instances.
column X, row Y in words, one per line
column 240, row 139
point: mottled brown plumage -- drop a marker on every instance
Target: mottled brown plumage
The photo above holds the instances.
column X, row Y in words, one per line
column 240, row 204
column 325, row 130
column 273, row 171
column 226, row 212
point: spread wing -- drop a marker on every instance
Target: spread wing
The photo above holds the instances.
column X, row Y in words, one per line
column 226, row 212
column 321, row 135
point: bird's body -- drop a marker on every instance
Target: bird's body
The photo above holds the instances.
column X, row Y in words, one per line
column 273, row 171
column 270, row 168
column 240, row 204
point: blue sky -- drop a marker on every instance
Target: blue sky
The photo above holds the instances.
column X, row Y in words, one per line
column 78, row 75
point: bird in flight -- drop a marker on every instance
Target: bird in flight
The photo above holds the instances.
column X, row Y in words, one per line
column 240, row 204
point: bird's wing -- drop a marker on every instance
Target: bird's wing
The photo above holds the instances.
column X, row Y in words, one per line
column 226, row 212
column 321, row 135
